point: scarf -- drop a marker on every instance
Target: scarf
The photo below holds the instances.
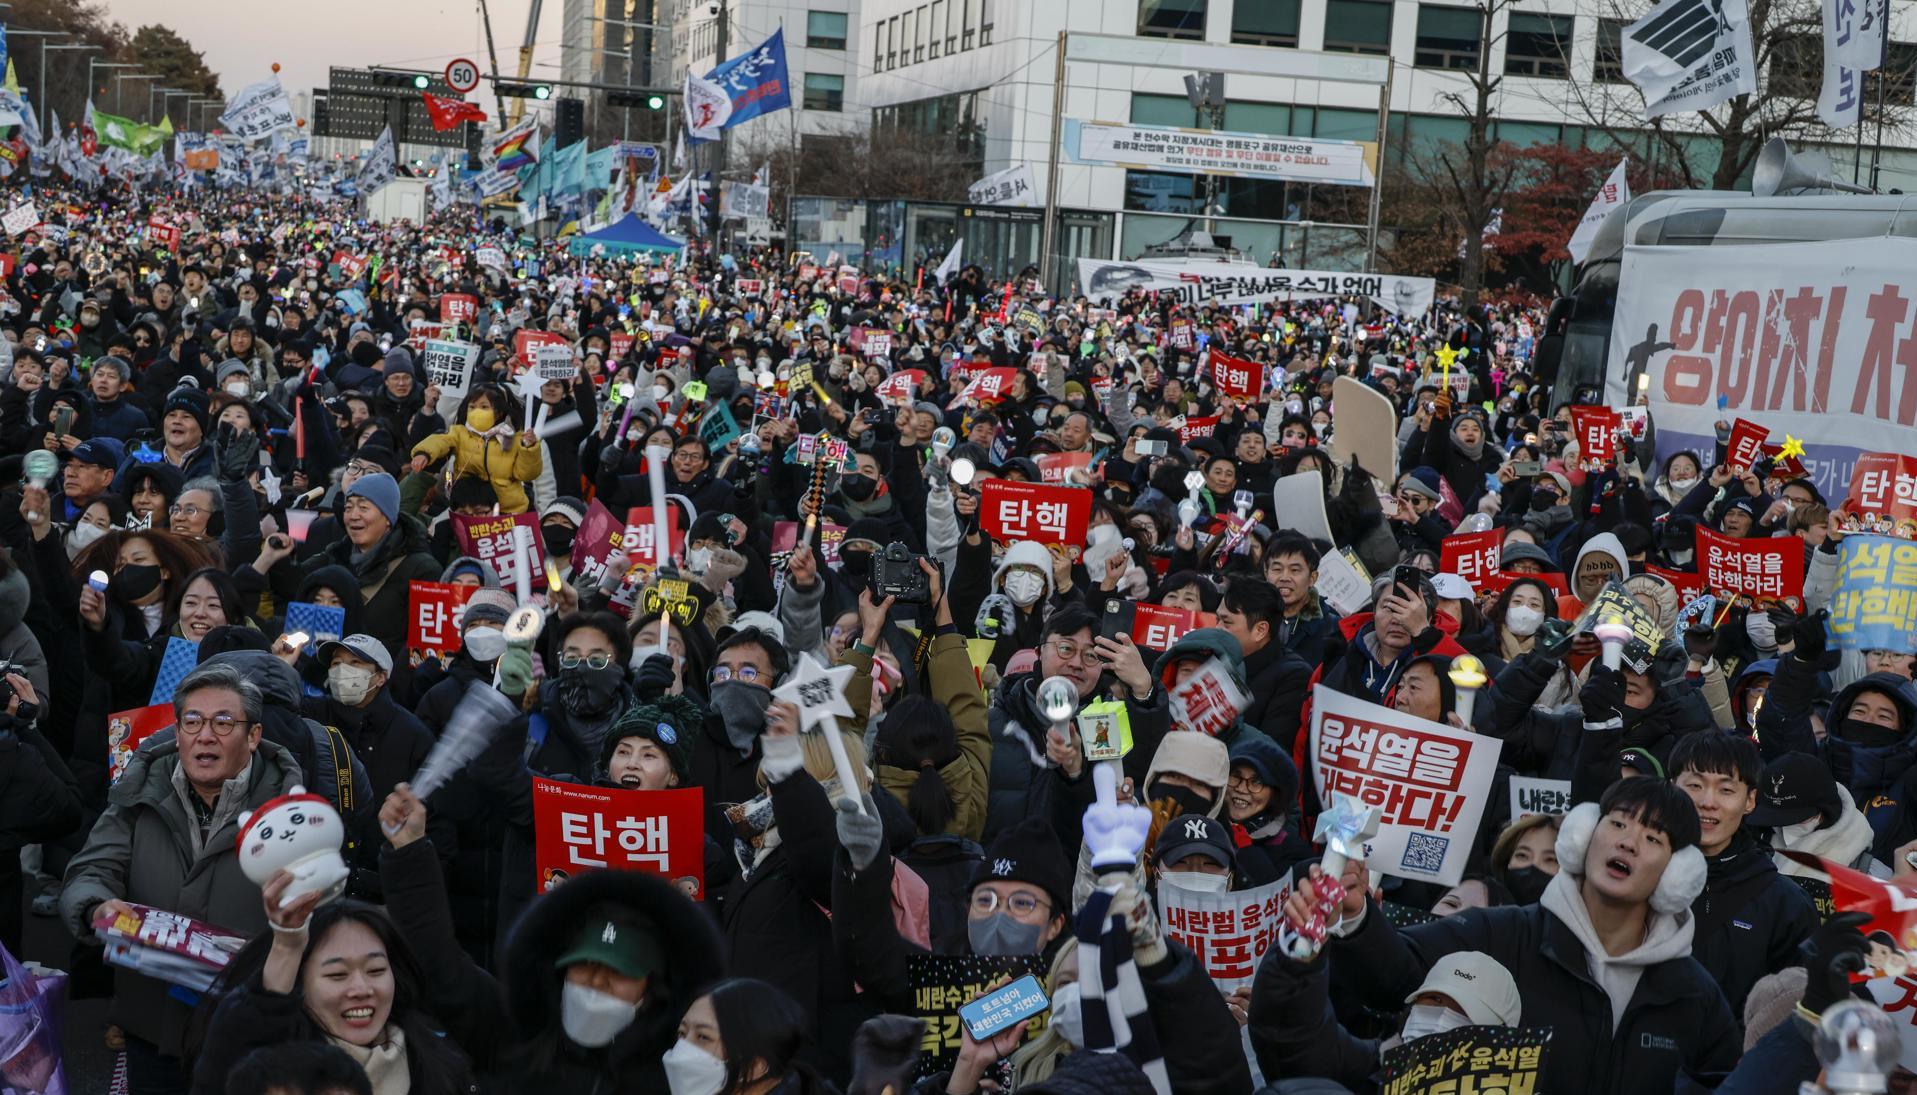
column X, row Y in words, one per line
column 755, row 830
column 1115, row 1014
column 384, row 1064
column 1474, row 452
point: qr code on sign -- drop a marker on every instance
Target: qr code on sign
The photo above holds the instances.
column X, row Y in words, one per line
column 1424, row 853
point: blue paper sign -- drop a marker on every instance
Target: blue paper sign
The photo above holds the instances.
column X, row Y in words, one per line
column 1874, row 606
column 756, row 80
column 320, row 622
column 1002, row 1009
column 182, row 657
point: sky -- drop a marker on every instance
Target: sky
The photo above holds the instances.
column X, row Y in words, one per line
column 241, row 41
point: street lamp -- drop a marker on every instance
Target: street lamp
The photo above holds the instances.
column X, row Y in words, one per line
column 42, row 36
column 118, row 99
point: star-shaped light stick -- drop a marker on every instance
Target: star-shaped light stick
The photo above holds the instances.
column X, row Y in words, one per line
column 1446, row 355
column 818, row 691
column 1792, row 447
column 1343, row 828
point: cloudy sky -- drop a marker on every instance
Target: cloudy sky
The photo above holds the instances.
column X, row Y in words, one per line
column 242, row 40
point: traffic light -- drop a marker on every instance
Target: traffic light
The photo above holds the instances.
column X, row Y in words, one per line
column 655, row 102
column 568, row 121
column 421, row 81
column 633, row 100
column 514, row 90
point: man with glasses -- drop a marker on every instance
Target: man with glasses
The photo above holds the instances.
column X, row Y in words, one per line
column 745, row 669
column 168, row 839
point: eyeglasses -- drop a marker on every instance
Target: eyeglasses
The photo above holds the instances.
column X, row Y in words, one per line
column 1069, row 651
column 183, row 509
column 363, row 467
column 223, row 726
column 593, row 661
column 1244, row 783
column 746, row 673
column 986, row 902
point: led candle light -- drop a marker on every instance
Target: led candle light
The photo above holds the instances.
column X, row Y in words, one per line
column 1613, row 633
column 1467, row 676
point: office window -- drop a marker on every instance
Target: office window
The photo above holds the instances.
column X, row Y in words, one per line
column 891, row 43
column 1608, row 67
column 935, row 30
column 1267, row 23
column 984, row 22
column 969, row 27
column 824, row 91
column 908, row 35
column 1171, row 18
column 1357, row 26
column 1449, row 37
column 1538, row 45
column 825, row 29
column 951, row 26
column 918, row 40
column 878, row 46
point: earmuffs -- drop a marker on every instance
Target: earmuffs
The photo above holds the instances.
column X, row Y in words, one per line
column 1684, row 875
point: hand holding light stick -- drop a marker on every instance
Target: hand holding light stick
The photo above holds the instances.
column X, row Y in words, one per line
column 1344, row 829
column 656, row 457
column 1613, row 633
column 1467, row 676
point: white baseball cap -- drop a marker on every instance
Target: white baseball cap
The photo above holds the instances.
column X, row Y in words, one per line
column 1479, row 985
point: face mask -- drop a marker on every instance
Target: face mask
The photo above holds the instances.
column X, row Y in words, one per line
column 1000, row 934
column 558, row 539
column 660, row 392
column 1790, row 836
column 592, row 1018
column 1526, row 884
column 1425, row 1019
column 1762, row 630
column 857, row 487
column 135, row 582
column 1068, row 1015
column 1868, row 734
column 588, row 690
column 485, row 644
column 239, row 389
column 1024, row 587
column 89, row 321
column 1683, row 486
column 1197, row 881
column 856, row 564
column 82, row 535
column 1187, row 800
column 1542, row 500
column 1523, row 620
column 349, row 683
column 479, row 419
column 742, row 705
column 698, row 560
column 692, row 1071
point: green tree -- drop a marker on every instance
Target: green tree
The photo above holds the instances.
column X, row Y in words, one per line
column 159, row 49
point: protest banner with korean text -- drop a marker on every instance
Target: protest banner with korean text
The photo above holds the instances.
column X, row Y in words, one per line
column 942, row 983
column 434, row 612
column 1471, row 555
column 578, row 828
column 490, row 540
column 1882, row 498
column 1466, row 1061
column 1228, row 933
column 1874, row 603
column 1011, row 511
column 1767, row 568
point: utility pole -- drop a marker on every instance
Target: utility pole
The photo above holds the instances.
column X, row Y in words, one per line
column 1206, row 92
column 713, row 217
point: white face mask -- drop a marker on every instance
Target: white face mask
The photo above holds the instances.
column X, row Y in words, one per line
column 692, row 1071
column 349, row 683
column 1197, row 881
column 592, row 1018
column 1683, row 486
column 239, row 389
column 1024, row 587
column 1523, row 620
column 698, row 560
column 1762, row 630
column 1068, row 1015
column 1425, row 1019
column 1791, row 836
column 485, row 644
column 659, row 393
column 82, row 535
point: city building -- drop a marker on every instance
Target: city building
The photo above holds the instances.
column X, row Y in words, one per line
column 821, row 60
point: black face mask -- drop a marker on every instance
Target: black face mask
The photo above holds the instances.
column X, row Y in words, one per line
column 133, row 582
column 1868, row 734
column 857, row 487
column 590, row 691
column 558, row 539
column 1542, row 500
column 1526, row 884
column 1185, row 799
column 856, row 564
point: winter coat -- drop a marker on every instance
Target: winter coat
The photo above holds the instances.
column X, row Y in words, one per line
column 1675, row 1022
column 954, row 687
column 506, row 464
column 1311, row 631
column 1020, row 775
column 1874, row 775
column 1750, row 919
column 18, row 644
column 391, row 744
column 518, row 1009
column 385, row 577
column 1276, row 680
column 120, row 419
column 1196, row 1031
column 144, row 849
column 1293, row 1030
column 39, row 800
column 1206, row 643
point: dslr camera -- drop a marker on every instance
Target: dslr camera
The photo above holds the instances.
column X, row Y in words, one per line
column 896, row 574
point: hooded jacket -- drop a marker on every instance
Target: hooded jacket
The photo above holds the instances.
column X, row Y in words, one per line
column 1874, row 774
column 1750, row 919
column 1846, row 840
column 507, row 465
column 1201, row 645
column 1555, row 743
column 1603, row 542
column 384, row 576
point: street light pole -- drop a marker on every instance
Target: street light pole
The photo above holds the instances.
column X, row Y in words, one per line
column 41, row 36
column 119, row 102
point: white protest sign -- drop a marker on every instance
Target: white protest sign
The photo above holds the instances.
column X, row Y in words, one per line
column 1208, row 701
column 1429, row 781
column 1298, row 503
column 1539, row 796
column 1228, row 933
column 491, row 256
column 449, row 364
column 1340, row 584
column 20, row 218
column 553, row 360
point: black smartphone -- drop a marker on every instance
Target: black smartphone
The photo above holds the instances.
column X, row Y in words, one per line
column 1410, row 577
column 1118, row 619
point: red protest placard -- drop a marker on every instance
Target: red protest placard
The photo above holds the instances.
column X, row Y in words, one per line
column 785, row 537
column 433, row 614
column 1033, row 511
column 618, row 344
column 421, row 331
column 638, row 541
column 1471, row 555
column 1688, row 584
column 164, row 234
column 900, row 386
column 1055, row 467
column 578, row 828
column 1191, row 429
column 490, row 540
column 349, row 264
column 751, row 287
column 599, row 535
column 876, row 344
column 1496, row 581
column 1768, row 568
column 1882, row 498
column 524, row 340
column 1746, row 445
column 1157, row 627
column 1597, row 435
column 1208, row 701
column 1783, row 467
column 987, row 384
column 458, row 308
column 1235, row 377
column 127, row 729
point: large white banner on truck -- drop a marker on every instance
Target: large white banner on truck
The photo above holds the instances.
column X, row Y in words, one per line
column 1809, row 338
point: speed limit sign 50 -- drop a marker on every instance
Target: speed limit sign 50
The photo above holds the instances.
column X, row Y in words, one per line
column 462, row 75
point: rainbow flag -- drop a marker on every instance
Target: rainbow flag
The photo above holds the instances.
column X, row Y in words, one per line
column 516, row 147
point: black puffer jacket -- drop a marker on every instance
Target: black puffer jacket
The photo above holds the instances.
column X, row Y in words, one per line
column 1750, row 919
column 1874, row 774
column 1549, row 742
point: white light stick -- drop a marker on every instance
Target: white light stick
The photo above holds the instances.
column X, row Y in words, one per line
column 1613, row 633
column 848, row 783
column 481, row 711
column 656, row 457
column 522, row 562
column 662, row 635
column 1467, row 676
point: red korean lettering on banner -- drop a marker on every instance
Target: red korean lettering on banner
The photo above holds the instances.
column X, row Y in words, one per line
column 577, row 828
column 1418, row 775
column 458, row 308
column 619, row 344
column 434, row 612
column 1191, row 429
column 900, row 386
column 1471, row 555
column 1597, row 435
column 1882, row 498
column 1158, row 627
column 1761, row 569
column 1235, row 377
column 491, row 541
column 638, row 540
column 1746, row 445
column 990, row 383
column 1064, row 467
column 1011, row 511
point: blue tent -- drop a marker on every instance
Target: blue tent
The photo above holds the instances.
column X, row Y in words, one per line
column 628, row 236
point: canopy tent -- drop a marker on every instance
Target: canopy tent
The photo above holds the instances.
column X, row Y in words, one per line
column 631, row 234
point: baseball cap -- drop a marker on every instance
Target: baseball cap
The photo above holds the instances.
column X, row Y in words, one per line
column 1795, row 787
column 764, row 621
column 1452, row 587
column 618, row 938
column 101, row 452
column 1195, row 834
column 361, row 646
column 1483, row 988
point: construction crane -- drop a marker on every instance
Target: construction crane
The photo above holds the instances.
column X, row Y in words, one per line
column 525, row 58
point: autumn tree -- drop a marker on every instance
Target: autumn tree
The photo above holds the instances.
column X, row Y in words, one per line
column 159, row 49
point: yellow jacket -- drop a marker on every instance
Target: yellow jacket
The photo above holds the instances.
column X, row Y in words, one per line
column 507, row 465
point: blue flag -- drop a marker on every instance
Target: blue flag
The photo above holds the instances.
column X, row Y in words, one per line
column 322, row 623
column 756, row 80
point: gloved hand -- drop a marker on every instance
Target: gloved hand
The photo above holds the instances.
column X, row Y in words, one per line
column 1602, row 696
column 861, row 834
column 655, row 676
column 1554, row 639
column 1700, row 641
column 1812, row 640
column 515, row 670
column 1148, row 938
column 238, row 453
column 1832, row 953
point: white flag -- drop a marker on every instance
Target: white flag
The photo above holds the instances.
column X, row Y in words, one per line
column 1012, row 186
column 1610, row 198
column 951, row 264
column 259, row 110
column 708, row 107
column 1853, row 45
column 382, row 163
column 679, row 152
column 1690, row 55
